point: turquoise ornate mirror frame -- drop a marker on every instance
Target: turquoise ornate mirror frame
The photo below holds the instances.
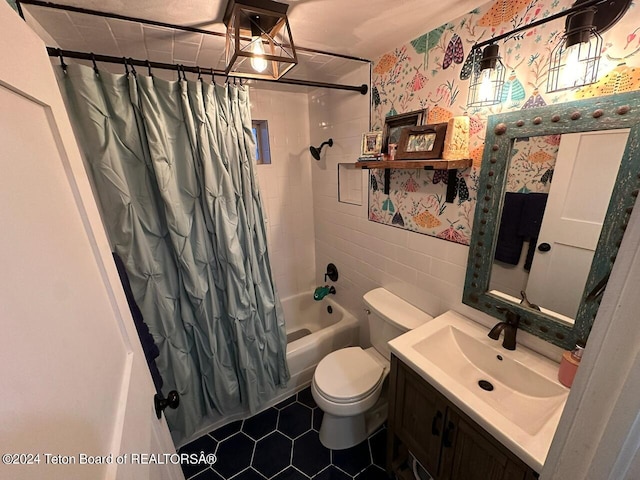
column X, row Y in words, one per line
column 620, row 111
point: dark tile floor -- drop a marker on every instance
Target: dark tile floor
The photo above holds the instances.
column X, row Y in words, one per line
column 282, row 443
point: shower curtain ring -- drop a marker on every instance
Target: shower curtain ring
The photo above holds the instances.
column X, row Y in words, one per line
column 62, row 64
column 199, row 73
column 95, row 65
column 213, row 76
column 133, row 69
column 126, row 67
column 149, row 68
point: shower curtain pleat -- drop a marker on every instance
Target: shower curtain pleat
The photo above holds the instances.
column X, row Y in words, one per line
column 172, row 167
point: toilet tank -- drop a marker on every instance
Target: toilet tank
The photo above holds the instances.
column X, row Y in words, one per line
column 389, row 316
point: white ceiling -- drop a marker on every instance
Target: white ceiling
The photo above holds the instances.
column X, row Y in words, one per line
column 362, row 28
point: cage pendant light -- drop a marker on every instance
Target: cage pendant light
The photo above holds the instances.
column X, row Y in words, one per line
column 575, row 60
column 258, row 39
column 487, row 78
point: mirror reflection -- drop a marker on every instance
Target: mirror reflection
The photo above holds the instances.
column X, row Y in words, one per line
column 556, row 197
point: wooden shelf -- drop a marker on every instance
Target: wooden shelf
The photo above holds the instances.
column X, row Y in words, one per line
column 436, row 164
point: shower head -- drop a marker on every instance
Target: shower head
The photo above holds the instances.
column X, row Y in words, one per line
column 315, row 151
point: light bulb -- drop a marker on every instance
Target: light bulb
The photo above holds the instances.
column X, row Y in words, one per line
column 258, row 62
column 485, row 93
column 571, row 70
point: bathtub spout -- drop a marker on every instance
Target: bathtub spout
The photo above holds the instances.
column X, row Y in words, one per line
column 322, row 292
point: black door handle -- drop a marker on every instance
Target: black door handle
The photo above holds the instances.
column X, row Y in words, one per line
column 435, row 430
column 448, row 435
column 172, row 401
column 544, row 247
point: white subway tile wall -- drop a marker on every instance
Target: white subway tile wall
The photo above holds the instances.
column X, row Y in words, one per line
column 285, row 187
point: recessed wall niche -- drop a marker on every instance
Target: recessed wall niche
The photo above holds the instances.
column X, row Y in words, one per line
column 349, row 184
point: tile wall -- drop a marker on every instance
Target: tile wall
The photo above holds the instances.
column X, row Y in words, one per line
column 285, row 188
column 425, row 271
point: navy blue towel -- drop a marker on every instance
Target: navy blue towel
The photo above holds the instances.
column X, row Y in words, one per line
column 521, row 220
column 509, row 244
column 532, row 214
column 151, row 351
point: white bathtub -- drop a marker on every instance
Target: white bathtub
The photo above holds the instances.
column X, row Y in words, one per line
column 325, row 332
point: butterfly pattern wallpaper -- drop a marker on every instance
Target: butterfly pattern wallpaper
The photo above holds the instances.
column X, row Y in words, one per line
column 433, row 72
column 532, row 163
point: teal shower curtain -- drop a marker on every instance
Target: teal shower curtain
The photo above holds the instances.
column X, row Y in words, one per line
column 172, row 165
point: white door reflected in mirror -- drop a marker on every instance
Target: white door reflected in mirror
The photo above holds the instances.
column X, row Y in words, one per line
column 584, row 175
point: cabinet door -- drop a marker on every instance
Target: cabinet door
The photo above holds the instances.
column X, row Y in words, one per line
column 445, row 441
column 419, row 418
column 471, row 454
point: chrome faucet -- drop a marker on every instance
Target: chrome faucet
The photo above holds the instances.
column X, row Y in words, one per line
column 322, row 292
column 510, row 327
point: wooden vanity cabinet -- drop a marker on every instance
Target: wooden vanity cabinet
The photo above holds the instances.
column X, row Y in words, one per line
column 445, row 441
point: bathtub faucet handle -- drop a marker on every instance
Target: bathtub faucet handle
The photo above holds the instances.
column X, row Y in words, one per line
column 332, row 273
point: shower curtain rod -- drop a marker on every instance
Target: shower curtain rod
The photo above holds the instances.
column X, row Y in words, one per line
column 56, row 52
column 363, row 89
column 117, row 16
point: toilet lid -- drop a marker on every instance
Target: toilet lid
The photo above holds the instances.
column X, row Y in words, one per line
column 347, row 375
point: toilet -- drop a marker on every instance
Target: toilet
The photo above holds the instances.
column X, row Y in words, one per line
column 349, row 384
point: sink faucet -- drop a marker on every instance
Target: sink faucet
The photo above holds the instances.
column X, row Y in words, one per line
column 322, row 292
column 510, row 327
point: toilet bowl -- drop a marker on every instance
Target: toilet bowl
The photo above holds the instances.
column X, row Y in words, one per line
column 346, row 385
column 349, row 384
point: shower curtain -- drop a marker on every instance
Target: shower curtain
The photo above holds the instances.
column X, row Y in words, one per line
column 172, row 165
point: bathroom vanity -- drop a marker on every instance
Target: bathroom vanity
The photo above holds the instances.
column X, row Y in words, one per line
column 448, row 443
column 468, row 409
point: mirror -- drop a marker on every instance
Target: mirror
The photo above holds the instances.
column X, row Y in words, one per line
column 555, row 201
column 556, row 188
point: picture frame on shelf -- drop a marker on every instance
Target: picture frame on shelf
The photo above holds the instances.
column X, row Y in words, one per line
column 423, row 142
column 394, row 124
column 372, row 144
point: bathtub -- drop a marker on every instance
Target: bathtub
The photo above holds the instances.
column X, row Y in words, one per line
column 314, row 329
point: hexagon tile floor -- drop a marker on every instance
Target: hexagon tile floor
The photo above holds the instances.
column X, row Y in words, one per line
column 282, row 443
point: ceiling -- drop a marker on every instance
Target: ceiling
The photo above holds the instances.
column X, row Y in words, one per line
column 361, row 28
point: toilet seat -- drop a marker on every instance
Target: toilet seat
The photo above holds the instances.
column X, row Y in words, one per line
column 348, row 375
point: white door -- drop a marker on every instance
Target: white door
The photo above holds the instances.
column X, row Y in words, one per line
column 73, row 375
column 584, row 176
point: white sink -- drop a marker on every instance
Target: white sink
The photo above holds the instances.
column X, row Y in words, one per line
column 521, row 401
column 517, row 392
